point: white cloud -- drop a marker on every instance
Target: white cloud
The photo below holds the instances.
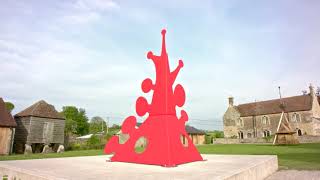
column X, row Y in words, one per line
column 92, row 5
column 82, row 18
column 87, row 11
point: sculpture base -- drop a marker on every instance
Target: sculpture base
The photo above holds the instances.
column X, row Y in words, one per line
column 249, row 167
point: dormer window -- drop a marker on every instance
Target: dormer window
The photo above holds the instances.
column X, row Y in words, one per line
column 296, row 117
column 265, row 120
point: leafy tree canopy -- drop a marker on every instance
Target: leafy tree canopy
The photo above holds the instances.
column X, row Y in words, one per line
column 76, row 120
column 9, row 106
column 97, row 124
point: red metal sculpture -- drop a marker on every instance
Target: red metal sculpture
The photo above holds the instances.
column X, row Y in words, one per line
column 162, row 129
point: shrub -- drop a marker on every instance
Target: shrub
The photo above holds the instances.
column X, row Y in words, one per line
column 94, row 142
column 268, row 138
column 75, row 146
column 208, row 139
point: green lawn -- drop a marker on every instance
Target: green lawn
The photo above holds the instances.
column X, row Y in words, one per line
column 302, row 156
column 53, row 155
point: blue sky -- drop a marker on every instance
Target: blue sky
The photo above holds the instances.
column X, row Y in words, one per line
column 92, row 53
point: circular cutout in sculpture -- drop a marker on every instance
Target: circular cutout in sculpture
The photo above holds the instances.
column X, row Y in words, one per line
column 123, row 138
column 141, row 145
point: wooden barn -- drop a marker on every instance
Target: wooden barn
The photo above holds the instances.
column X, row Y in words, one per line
column 7, row 129
column 197, row 136
column 38, row 126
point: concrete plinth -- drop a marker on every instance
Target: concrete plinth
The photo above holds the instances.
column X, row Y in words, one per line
column 231, row 167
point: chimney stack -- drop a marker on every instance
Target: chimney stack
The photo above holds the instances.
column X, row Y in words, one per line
column 230, row 101
column 311, row 89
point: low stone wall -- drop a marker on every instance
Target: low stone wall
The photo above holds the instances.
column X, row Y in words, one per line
column 226, row 141
column 309, row 139
column 301, row 139
column 240, row 141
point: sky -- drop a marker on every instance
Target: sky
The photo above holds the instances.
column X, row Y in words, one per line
column 92, row 53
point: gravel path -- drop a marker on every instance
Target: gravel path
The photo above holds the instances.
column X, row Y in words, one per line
column 295, row 175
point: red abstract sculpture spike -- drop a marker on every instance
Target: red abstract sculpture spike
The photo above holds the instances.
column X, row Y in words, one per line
column 162, row 130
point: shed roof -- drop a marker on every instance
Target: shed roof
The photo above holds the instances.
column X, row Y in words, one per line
column 6, row 119
column 193, row 130
column 292, row 104
column 41, row 109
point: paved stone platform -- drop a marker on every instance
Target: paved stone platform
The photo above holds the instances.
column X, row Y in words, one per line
column 231, row 167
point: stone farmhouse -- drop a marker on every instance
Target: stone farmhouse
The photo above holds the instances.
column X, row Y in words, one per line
column 39, row 126
column 261, row 119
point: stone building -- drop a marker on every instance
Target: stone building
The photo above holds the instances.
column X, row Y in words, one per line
column 39, row 126
column 260, row 119
column 7, row 129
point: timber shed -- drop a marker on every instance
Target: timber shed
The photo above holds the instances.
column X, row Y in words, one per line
column 38, row 126
column 7, row 129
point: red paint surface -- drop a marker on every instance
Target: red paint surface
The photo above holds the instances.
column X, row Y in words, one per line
column 162, row 129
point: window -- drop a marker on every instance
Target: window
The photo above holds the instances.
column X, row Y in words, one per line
column 249, row 135
column 240, row 122
column 265, row 120
column 299, row 132
column 240, row 135
column 296, row 117
column 266, row 133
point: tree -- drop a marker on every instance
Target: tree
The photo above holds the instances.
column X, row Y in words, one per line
column 76, row 120
column 97, row 124
column 70, row 126
column 9, row 106
column 304, row 92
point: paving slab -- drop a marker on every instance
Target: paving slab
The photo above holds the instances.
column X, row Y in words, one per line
column 229, row 167
column 295, row 175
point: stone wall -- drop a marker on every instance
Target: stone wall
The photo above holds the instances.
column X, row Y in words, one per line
column 305, row 125
column 301, row 139
column 230, row 128
column 240, row 141
column 253, row 126
column 309, row 139
column 316, row 126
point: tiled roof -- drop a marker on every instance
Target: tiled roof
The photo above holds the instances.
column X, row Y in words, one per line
column 6, row 119
column 41, row 109
column 193, row 130
column 292, row 104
